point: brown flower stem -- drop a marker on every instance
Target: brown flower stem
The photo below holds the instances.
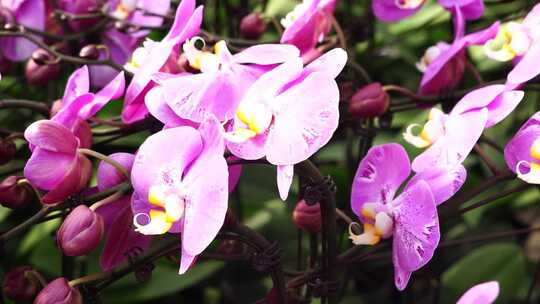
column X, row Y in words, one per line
column 35, row 106
column 61, row 56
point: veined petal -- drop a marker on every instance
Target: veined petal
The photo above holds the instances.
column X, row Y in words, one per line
column 416, row 233
column 444, row 182
column 330, row 63
column 527, row 68
column 379, row 175
column 306, row 119
column 163, row 158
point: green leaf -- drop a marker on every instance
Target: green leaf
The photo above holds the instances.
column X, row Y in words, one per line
column 502, row 262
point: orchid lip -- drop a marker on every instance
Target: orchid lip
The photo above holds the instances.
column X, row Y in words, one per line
column 409, row 4
column 531, row 177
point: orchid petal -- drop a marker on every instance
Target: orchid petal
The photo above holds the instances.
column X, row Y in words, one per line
column 379, row 175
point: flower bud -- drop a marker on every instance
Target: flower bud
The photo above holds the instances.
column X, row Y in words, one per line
column 42, row 57
column 18, row 287
column 59, row 292
column 307, row 217
column 7, row 151
column 90, row 51
column 252, row 26
column 80, row 232
column 41, row 71
column 369, row 101
column 13, row 195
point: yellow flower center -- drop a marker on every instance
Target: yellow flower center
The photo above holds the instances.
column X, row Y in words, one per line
column 293, row 15
column 512, row 40
column 170, row 205
column 378, row 225
column 202, row 59
column 433, row 129
column 124, row 8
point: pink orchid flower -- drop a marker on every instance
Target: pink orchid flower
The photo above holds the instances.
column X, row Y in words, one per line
column 55, row 164
column 449, row 138
column 411, row 217
column 288, row 114
column 180, row 178
column 152, row 57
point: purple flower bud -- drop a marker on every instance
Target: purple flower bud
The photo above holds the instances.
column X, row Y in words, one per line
column 252, row 26
column 59, row 292
column 80, row 232
column 7, row 151
column 13, row 195
column 41, row 68
column 369, row 101
column 18, row 287
column 90, row 51
column 307, row 217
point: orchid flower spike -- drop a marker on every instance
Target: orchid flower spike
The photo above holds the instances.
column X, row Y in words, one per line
column 411, row 217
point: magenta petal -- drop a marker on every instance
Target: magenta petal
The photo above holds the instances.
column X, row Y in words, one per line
column 186, row 261
column 285, row 174
column 307, row 120
column 113, row 90
column 401, row 276
column 109, row 212
column 51, row 136
column 69, row 113
column 251, row 149
column 379, row 175
column 183, row 13
column 478, row 98
column 518, row 148
column 484, row 293
column 234, row 174
column 416, row 232
column 46, row 169
column 444, row 182
column 108, row 176
column 386, row 10
column 68, row 185
column 121, row 239
column 266, row 54
column 77, row 85
column 164, row 156
column 207, row 183
column 528, row 67
column 303, row 32
column 502, row 106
